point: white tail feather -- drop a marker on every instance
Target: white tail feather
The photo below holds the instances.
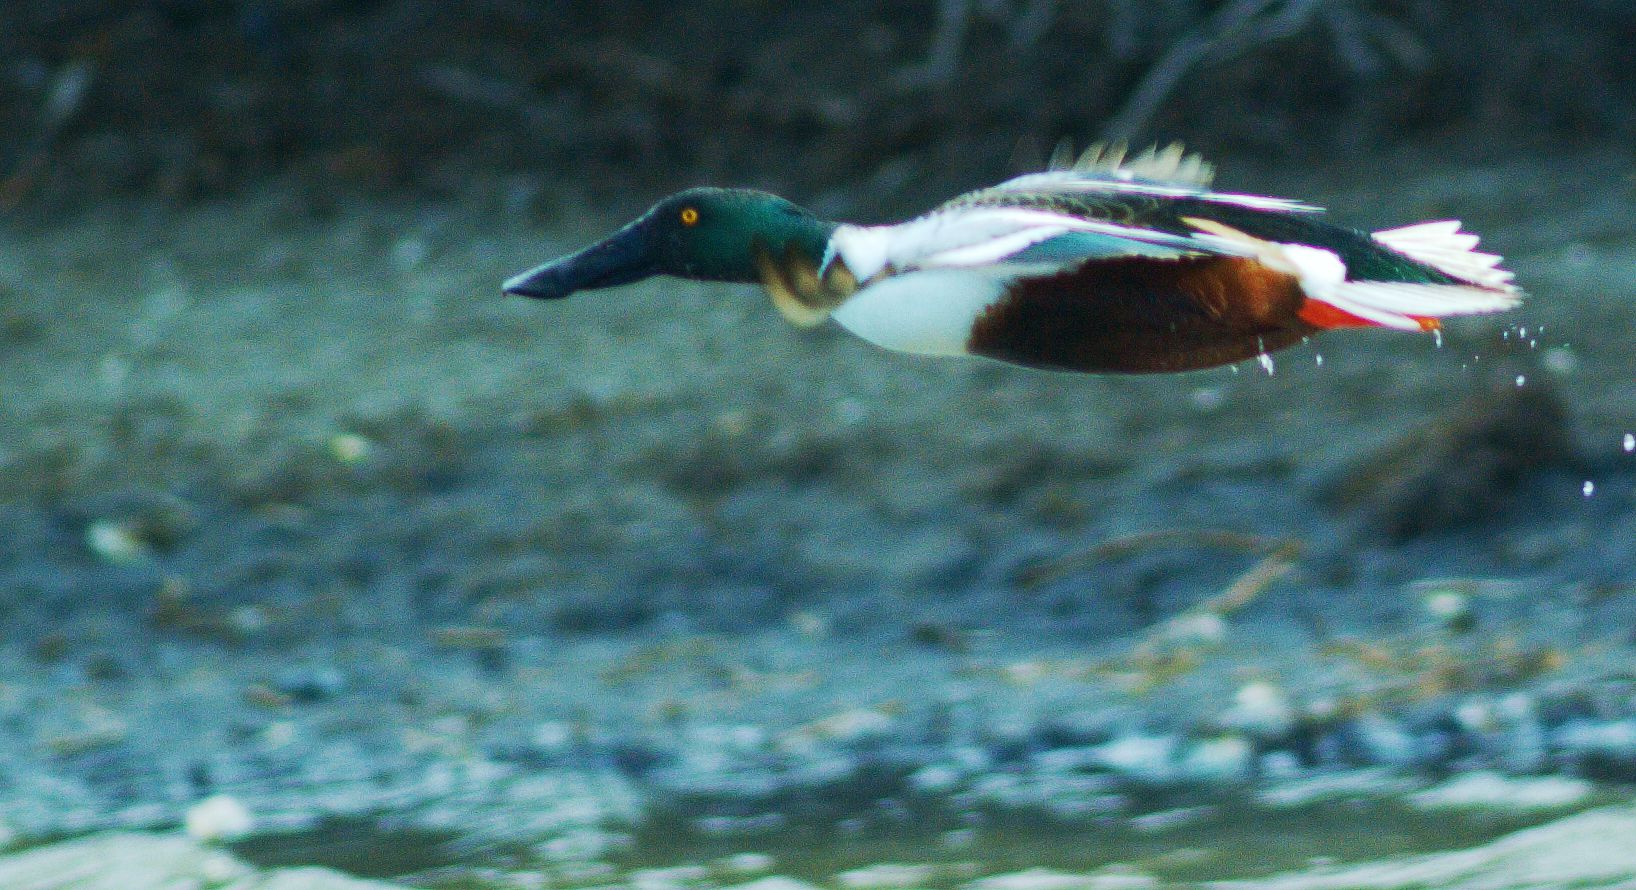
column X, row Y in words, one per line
column 1445, row 248
column 1398, row 305
column 1391, row 304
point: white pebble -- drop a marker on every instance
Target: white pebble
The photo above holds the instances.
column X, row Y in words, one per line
column 1219, row 759
column 1279, row 765
column 220, row 868
column 746, row 863
column 1198, row 627
column 1261, row 707
column 115, row 542
column 773, row 882
column 349, row 448
column 935, row 778
column 886, row 876
column 1170, row 820
column 1114, row 877
column 218, row 818
column 852, row 724
column 1344, row 785
column 1138, row 755
column 1449, row 607
column 1484, row 789
column 553, row 735
column 675, row 877
column 1476, row 715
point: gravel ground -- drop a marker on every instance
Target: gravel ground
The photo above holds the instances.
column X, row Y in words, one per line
column 300, row 512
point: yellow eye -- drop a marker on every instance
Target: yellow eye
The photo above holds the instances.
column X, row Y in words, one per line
column 690, row 216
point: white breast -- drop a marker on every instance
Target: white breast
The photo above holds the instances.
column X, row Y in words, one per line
column 928, row 312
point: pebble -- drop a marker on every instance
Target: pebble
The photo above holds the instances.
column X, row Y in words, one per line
column 1196, row 628
column 1111, row 878
column 553, row 735
column 1615, row 737
column 887, row 876
column 349, row 449
column 1491, row 790
column 674, row 877
column 1343, row 785
column 1121, row 877
column 746, row 863
column 1384, row 741
column 852, row 725
column 1451, row 609
column 116, row 542
column 773, row 882
column 1227, row 758
column 1602, row 750
column 935, row 778
column 1143, row 756
column 1262, row 709
column 1169, row 820
column 218, row 818
column 310, row 684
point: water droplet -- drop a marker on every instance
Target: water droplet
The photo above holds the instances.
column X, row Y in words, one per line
column 1521, row 379
column 1437, row 337
column 1630, row 442
column 1320, row 359
column 1522, row 332
column 1589, row 488
column 1266, row 363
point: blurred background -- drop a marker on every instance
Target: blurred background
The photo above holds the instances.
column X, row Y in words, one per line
column 192, row 100
column 318, row 548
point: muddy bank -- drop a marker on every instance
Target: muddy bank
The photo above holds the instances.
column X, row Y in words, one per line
column 300, row 512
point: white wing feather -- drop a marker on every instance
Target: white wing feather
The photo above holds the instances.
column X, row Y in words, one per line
column 1445, row 248
column 979, row 236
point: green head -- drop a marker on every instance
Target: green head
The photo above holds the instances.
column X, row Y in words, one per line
column 708, row 234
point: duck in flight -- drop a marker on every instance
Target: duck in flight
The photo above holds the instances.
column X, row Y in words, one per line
column 1101, row 264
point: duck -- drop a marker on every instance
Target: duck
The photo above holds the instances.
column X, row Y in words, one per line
column 1104, row 262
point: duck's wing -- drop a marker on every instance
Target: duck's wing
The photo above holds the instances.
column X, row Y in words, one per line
column 1157, row 207
column 1007, row 232
column 1105, row 171
column 989, row 233
column 1104, row 205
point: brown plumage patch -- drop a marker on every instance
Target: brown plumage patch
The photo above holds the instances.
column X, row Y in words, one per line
column 1142, row 315
column 800, row 294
